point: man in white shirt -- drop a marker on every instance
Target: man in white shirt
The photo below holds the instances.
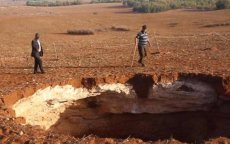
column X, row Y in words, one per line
column 37, row 53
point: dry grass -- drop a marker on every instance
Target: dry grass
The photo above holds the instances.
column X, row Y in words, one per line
column 154, row 6
column 218, row 24
column 81, row 32
column 120, row 28
column 51, row 3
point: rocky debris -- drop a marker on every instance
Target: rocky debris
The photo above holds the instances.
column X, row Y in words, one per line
column 220, row 140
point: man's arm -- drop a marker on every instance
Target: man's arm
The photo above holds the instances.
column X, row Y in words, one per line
column 41, row 53
column 32, row 48
column 32, row 44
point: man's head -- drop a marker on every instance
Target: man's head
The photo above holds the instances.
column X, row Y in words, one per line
column 144, row 27
column 37, row 36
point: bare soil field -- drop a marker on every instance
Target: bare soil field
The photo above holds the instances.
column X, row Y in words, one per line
column 188, row 50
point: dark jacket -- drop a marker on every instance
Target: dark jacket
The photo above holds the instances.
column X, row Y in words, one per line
column 35, row 47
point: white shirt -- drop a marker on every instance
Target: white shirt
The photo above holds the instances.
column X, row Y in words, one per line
column 40, row 48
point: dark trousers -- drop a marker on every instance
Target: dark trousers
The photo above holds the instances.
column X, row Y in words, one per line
column 37, row 62
column 142, row 53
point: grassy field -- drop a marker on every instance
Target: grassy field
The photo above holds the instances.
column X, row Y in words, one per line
column 149, row 6
column 106, row 1
column 52, row 2
column 66, row 2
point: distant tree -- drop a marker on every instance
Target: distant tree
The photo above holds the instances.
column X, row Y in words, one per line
column 146, row 6
column 222, row 4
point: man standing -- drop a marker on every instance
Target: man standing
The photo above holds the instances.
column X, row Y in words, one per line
column 142, row 40
column 37, row 53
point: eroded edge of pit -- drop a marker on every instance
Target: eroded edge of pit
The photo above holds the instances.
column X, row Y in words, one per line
column 221, row 85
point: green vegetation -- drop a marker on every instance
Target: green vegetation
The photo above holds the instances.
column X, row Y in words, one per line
column 64, row 2
column 105, row 1
column 151, row 6
column 52, row 2
column 223, row 4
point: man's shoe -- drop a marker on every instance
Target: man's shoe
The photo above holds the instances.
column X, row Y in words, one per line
column 143, row 65
column 42, row 72
column 35, row 72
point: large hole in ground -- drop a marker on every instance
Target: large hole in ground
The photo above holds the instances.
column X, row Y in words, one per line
column 186, row 109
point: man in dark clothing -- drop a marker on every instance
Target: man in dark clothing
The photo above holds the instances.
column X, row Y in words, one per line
column 142, row 40
column 37, row 53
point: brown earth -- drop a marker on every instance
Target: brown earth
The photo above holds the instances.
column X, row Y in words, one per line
column 186, row 45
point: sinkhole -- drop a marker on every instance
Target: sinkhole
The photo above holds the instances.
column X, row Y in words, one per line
column 186, row 109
